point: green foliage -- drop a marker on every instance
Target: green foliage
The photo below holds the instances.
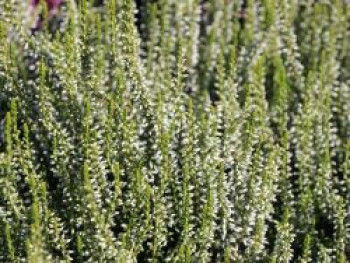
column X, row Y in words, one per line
column 204, row 131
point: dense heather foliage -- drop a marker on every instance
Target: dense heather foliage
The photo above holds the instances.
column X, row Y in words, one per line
column 191, row 131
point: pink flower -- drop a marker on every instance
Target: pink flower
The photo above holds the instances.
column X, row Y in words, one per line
column 52, row 6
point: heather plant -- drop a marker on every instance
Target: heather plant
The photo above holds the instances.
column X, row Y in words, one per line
column 174, row 131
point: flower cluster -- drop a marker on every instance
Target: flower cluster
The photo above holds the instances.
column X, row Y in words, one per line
column 192, row 131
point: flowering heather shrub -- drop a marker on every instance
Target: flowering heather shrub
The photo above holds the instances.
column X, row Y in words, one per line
column 202, row 131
